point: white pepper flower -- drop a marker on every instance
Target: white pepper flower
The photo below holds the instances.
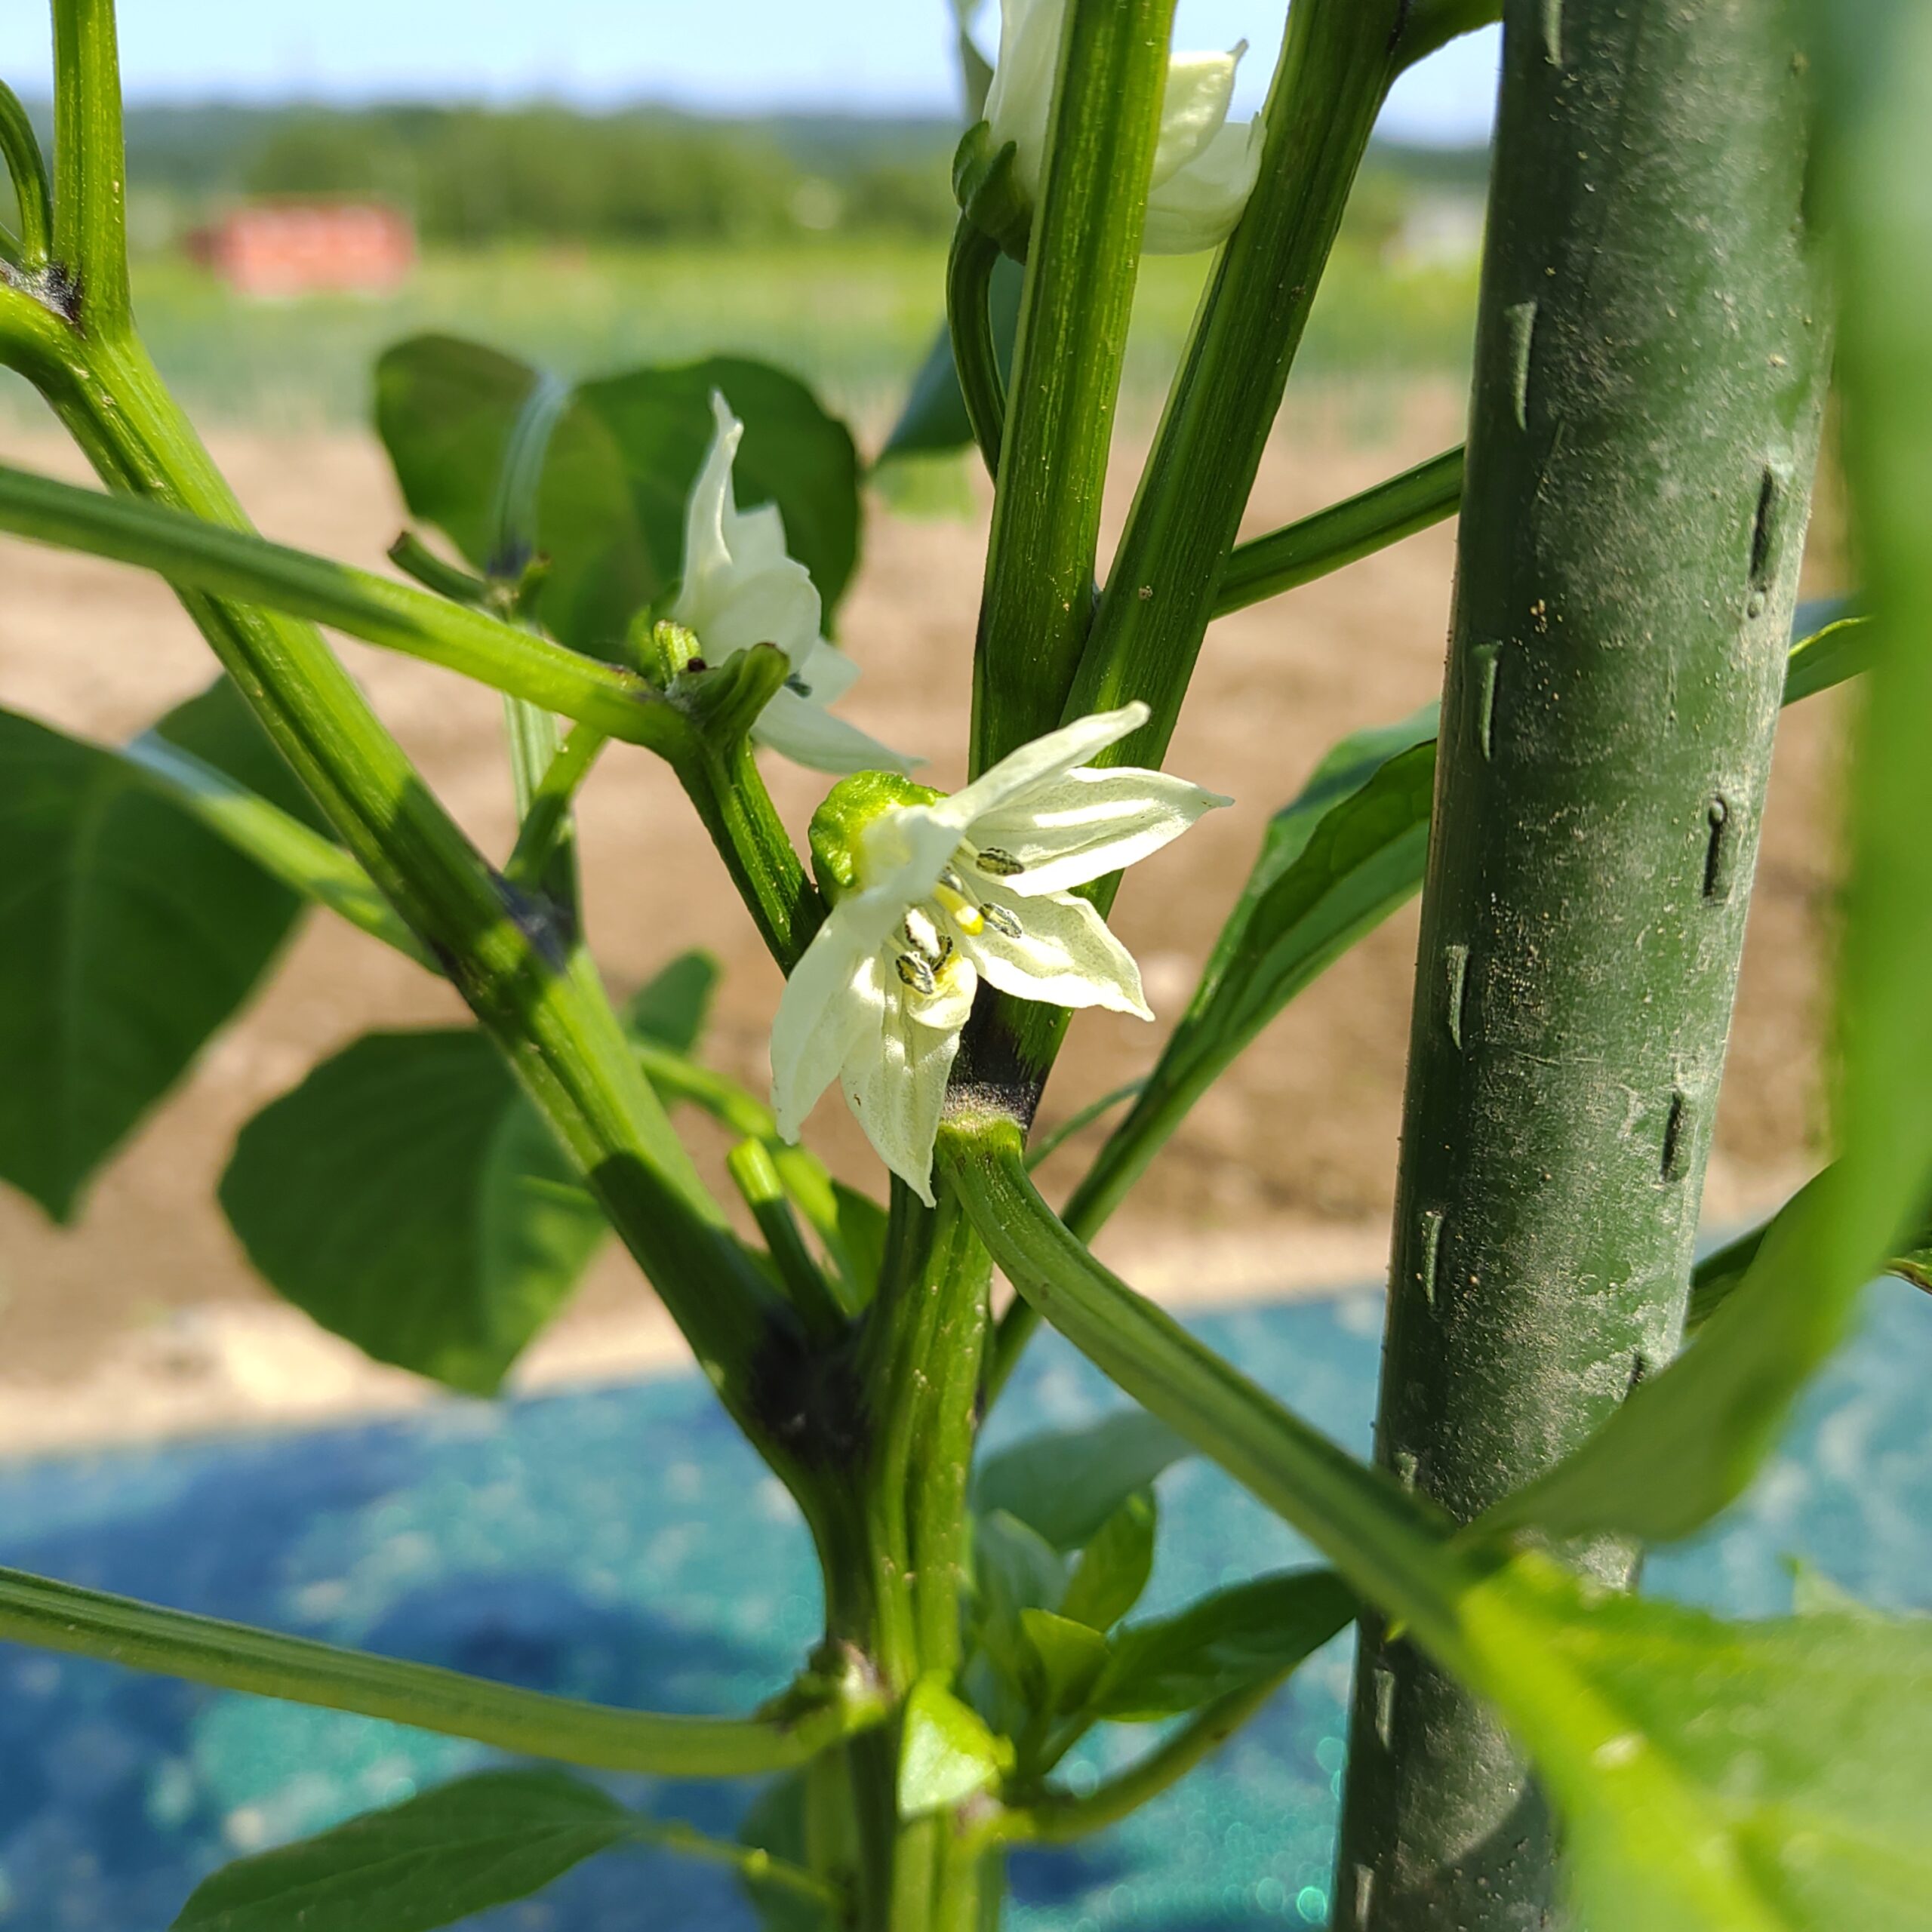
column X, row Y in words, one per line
column 1204, row 168
column 932, row 894
column 741, row 588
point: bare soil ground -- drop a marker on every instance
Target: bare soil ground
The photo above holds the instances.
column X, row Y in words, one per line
column 144, row 1315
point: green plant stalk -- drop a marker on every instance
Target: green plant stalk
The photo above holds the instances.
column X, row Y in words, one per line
column 1394, row 1549
column 1626, row 581
column 545, row 823
column 235, row 1656
column 199, row 553
column 896, row 1597
column 1061, row 1819
column 26, row 167
column 1343, row 534
column 1083, row 260
column 730, row 797
column 755, row 1174
column 1337, row 60
column 90, row 198
column 969, row 271
column 279, row 843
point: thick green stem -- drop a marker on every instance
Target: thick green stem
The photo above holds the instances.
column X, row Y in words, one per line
column 1336, row 62
column 1082, row 262
column 233, row 1656
column 91, row 170
column 895, row 1591
column 1625, row 588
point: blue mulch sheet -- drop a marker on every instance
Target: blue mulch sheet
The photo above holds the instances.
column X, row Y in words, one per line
column 623, row 1545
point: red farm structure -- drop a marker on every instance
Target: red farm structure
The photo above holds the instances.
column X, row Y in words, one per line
column 281, row 249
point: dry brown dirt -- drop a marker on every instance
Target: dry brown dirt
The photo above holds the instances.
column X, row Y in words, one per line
column 1281, row 1176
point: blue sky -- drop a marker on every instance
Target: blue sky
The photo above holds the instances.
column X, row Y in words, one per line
column 874, row 56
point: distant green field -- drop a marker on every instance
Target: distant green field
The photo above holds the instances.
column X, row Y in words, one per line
column 853, row 318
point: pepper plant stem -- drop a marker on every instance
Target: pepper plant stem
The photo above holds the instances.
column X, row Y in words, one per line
column 1356, row 527
column 1082, row 262
column 1626, row 582
column 1336, row 62
column 233, row 1656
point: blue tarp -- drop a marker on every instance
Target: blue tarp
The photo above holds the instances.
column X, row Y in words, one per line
column 623, row 1545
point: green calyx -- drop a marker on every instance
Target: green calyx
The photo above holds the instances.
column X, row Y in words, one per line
column 838, row 825
column 989, row 196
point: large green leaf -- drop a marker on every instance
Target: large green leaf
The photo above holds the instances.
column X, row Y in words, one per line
column 614, row 468
column 1238, row 1637
column 1715, row 1776
column 409, row 1198
column 447, row 411
column 482, row 1841
column 129, row 933
column 1688, row 1440
column 1066, row 1484
column 1114, row 1567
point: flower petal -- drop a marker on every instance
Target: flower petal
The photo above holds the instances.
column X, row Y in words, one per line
column 904, row 851
column 756, row 537
column 1046, row 758
column 1063, row 954
column 896, row 1088
column 710, row 508
column 1019, row 102
column 1199, row 206
column 826, row 672
column 802, row 730
column 947, row 1009
column 1085, row 823
column 831, row 1001
column 731, row 612
column 1194, row 108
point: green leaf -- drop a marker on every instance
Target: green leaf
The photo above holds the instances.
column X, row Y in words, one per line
column 1227, row 1642
column 1015, row 1568
column 1688, row 1440
column 483, row 1841
column 1067, row 1484
column 671, row 1008
column 129, row 934
column 1721, row 1273
column 934, row 417
column 1720, row 1777
column 857, row 1241
column 1113, row 1568
column 1067, row 1657
column 621, row 455
column 947, row 1754
column 407, row 1197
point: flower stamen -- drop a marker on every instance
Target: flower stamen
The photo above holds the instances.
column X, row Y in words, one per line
column 996, row 864
column 914, row 973
column 1001, row 920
